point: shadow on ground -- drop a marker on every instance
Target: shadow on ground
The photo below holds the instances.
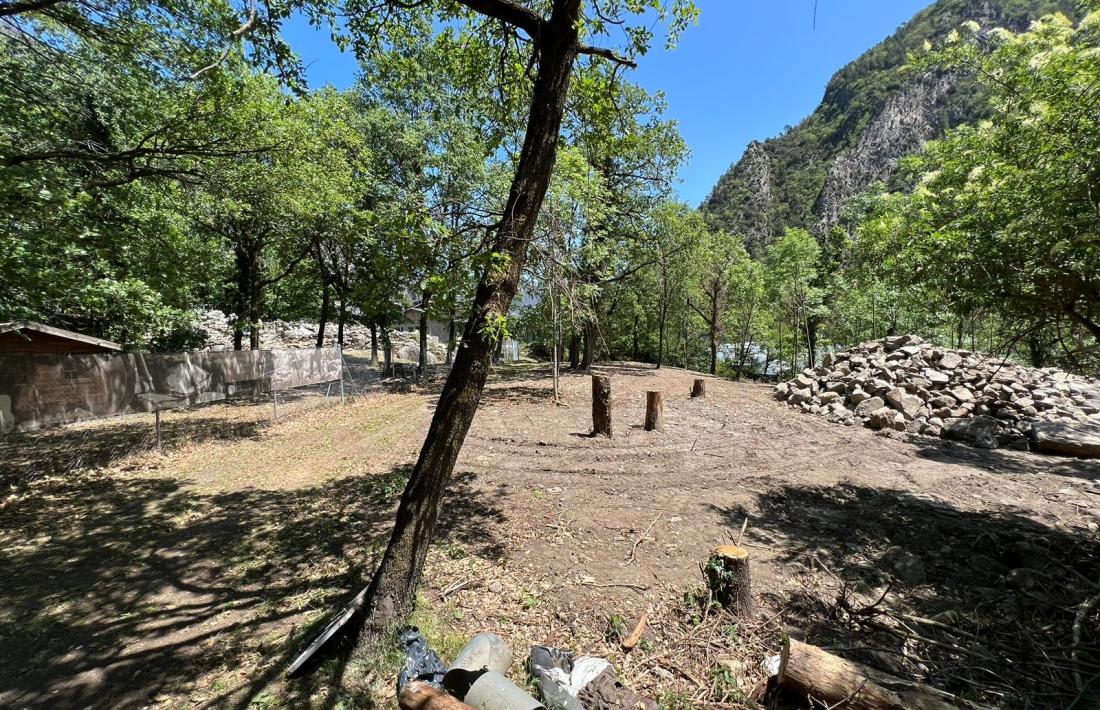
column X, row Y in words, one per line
column 33, row 455
column 118, row 590
column 981, row 604
column 1005, row 460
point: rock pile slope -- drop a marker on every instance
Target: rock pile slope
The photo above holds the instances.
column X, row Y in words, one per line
column 905, row 384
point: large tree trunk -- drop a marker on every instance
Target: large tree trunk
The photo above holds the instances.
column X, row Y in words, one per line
column 588, row 357
column 392, row 591
column 575, row 351
column 323, row 320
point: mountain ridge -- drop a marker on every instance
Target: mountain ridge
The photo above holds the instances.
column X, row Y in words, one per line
column 871, row 114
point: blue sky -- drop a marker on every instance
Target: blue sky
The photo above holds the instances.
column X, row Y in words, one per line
column 747, row 70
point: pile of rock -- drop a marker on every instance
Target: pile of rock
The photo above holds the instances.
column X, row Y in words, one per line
column 905, row 384
column 218, row 330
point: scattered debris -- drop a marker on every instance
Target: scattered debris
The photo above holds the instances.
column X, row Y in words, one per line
column 421, row 662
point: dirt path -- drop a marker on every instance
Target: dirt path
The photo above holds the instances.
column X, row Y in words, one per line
column 187, row 579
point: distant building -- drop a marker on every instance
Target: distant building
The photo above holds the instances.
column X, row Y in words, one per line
column 28, row 338
column 411, row 322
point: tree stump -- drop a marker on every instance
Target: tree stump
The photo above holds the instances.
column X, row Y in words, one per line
column 601, row 405
column 654, row 411
column 730, row 579
column 806, row 670
column 699, row 388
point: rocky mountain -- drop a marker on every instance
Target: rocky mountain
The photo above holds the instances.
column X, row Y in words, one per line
column 872, row 115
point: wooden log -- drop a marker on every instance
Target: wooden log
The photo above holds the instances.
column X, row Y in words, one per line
column 699, row 388
column 636, row 635
column 808, row 671
column 730, row 578
column 654, row 411
column 418, row 695
column 601, row 405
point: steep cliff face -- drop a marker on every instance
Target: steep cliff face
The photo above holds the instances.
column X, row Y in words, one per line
column 872, row 114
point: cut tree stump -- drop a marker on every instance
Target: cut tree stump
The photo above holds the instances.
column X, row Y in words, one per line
column 418, row 695
column 654, row 411
column 601, row 405
column 699, row 388
column 808, row 671
column 730, row 578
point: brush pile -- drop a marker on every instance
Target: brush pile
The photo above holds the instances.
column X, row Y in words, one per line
column 905, row 384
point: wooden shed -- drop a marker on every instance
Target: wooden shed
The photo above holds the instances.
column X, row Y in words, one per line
column 26, row 337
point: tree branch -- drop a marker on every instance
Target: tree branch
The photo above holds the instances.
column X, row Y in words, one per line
column 8, row 9
column 511, row 12
column 607, row 54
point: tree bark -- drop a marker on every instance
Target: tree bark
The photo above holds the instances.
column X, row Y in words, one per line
column 654, row 411
column 575, row 351
column 392, row 590
column 698, row 388
column 601, row 406
column 729, row 577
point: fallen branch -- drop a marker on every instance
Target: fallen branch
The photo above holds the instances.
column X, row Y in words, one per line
column 634, row 550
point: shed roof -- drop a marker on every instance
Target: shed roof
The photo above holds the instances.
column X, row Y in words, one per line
column 17, row 326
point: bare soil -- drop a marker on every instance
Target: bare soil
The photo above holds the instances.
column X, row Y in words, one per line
column 188, row 578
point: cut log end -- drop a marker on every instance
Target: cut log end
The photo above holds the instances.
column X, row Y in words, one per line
column 729, row 578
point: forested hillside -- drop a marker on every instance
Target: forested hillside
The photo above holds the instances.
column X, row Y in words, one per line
column 873, row 113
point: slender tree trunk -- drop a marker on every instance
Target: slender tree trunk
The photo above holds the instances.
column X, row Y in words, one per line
column 452, row 336
column 392, row 590
column 341, row 318
column 323, row 321
column 714, row 316
column 374, row 343
column 422, row 359
column 241, row 254
column 634, row 351
column 661, row 336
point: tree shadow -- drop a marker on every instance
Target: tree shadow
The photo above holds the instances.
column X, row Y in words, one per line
column 25, row 457
column 117, row 590
column 517, row 394
column 1004, row 460
column 980, row 604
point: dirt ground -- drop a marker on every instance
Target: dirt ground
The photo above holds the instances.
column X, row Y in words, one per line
column 188, row 578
